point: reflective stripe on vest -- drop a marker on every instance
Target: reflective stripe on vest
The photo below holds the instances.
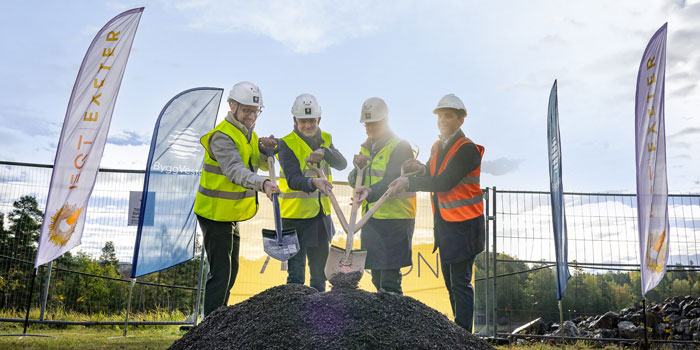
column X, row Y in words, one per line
column 218, row 198
column 400, row 206
column 299, row 204
column 465, row 200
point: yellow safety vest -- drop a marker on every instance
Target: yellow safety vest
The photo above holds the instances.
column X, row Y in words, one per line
column 299, row 204
column 400, row 206
column 218, row 198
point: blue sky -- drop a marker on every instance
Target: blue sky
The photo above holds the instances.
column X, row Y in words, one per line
column 501, row 58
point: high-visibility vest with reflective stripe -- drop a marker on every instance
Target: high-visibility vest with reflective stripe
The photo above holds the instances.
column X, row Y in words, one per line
column 465, row 200
column 218, row 198
column 299, row 204
column 401, row 206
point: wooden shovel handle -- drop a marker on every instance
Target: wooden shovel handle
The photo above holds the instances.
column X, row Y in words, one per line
column 271, row 168
column 359, row 179
column 334, row 202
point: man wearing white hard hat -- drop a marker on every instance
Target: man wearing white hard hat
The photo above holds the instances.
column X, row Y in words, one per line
column 228, row 188
column 388, row 234
column 304, row 203
column 452, row 177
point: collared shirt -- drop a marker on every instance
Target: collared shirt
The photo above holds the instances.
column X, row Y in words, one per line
column 445, row 140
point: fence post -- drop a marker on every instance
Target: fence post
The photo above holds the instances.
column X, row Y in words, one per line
column 486, row 260
column 495, row 255
column 45, row 291
column 199, row 286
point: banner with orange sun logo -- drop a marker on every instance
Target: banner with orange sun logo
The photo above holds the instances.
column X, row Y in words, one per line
column 83, row 136
column 652, row 183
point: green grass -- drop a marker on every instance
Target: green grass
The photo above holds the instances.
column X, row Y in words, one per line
column 156, row 315
column 93, row 337
column 83, row 338
column 161, row 337
column 79, row 338
column 154, row 337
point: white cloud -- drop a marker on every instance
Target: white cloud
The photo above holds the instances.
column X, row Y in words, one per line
column 500, row 166
column 129, row 138
column 304, row 26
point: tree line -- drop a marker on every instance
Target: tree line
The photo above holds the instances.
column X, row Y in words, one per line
column 101, row 283
column 527, row 291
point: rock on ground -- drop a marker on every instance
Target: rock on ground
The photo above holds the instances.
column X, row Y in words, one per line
column 298, row 317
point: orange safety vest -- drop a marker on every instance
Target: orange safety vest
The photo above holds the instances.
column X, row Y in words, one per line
column 465, row 200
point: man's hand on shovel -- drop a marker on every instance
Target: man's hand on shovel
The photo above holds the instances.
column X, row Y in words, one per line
column 399, row 185
column 268, row 143
column 413, row 166
column 316, row 156
column 322, row 185
column 360, row 160
column 270, row 188
column 362, row 192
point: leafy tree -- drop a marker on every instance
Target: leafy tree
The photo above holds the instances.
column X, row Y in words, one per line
column 3, row 235
column 109, row 257
column 18, row 249
column 541, row 288
column 25, row 225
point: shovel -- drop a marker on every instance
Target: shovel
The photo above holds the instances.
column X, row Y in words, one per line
column 279, row 244
column 346, row 260
column 342, row 260
column 359, row 179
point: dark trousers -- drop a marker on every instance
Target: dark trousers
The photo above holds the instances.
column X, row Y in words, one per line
column 222, row 243
column 296, row 267
column 387, row 280
column 458, row 278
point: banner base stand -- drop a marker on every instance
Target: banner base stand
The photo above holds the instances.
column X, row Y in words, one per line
column 27, row 335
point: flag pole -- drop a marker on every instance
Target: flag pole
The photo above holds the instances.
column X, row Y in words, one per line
column 128, row 305
column 26, row 318
column 644, row 310
column 29, row 301
column 199, row 284
column 561, row 321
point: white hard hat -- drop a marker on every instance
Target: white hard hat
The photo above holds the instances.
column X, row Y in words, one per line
column 306, row 107
column 246, row 93
column 374, row 109
column 450, row 101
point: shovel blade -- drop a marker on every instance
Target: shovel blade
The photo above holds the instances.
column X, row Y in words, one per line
column 337, row 263
column 284, row 251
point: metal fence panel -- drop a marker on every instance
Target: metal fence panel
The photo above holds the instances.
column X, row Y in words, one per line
column 601, row 229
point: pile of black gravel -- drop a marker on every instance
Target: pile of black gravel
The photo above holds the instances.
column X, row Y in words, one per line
column 298, row 317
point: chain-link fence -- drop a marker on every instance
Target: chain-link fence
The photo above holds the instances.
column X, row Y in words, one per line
column 603, row 256
column 91, row 284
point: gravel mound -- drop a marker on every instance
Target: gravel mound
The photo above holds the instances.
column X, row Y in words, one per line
column 346, row 280
column 298, row 317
